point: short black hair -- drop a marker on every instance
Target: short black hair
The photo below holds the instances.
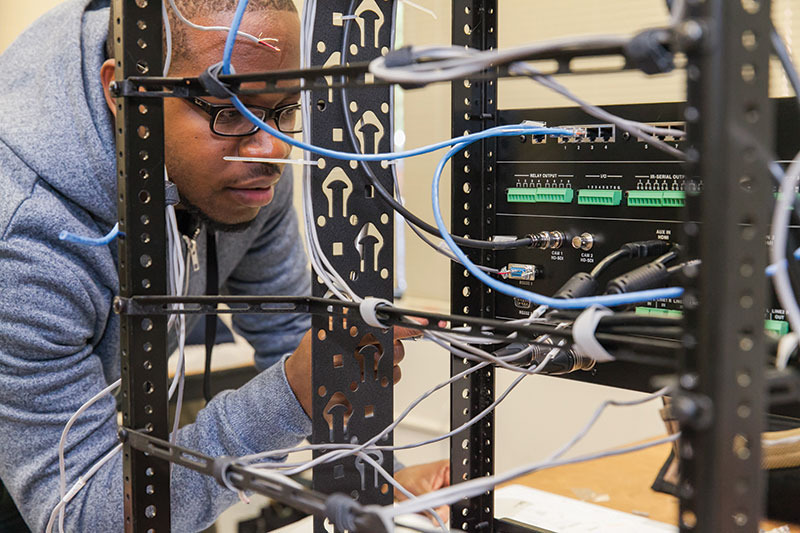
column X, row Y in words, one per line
column 192, row 9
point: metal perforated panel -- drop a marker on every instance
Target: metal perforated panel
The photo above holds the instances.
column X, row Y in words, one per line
column 352, row 368
column 142, row 262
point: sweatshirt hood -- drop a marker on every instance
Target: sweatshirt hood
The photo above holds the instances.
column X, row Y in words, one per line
column 54, row 115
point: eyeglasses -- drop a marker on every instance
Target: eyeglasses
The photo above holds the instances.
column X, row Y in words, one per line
column 227, row 121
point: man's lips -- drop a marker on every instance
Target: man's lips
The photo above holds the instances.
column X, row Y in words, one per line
column 255, row 193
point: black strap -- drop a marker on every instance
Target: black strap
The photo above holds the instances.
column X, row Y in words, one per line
column 212, row 289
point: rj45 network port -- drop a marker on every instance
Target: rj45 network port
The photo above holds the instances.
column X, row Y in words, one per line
column 589, row 133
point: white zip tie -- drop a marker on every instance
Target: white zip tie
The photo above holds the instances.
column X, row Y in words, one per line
column 271, row 160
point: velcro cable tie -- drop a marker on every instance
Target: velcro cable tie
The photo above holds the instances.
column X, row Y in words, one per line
column 368, row 309
column 209, row 79
column 171, row 195
column 341, row 510
column 583, row 333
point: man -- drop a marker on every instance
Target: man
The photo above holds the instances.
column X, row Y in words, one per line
column 58, row 336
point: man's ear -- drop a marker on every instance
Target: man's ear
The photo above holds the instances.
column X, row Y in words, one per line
column 106, row 77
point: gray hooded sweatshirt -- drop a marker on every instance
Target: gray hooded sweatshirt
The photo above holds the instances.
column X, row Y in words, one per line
column 59, row 338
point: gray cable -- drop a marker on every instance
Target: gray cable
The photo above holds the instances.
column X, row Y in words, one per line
column 456, row 62
column 636, row 128
column 478, row 486
column 388, row 477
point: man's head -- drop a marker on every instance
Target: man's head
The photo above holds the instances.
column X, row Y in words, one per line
column 227, row 193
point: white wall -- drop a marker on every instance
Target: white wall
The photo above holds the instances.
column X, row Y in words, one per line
column 16, row 15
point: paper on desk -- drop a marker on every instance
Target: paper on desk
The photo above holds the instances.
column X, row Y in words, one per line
column 306, row 525
column 566, row 515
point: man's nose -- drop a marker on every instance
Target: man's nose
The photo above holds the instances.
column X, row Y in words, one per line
column 262, row 144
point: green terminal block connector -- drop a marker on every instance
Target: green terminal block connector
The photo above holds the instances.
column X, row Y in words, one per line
column 664, row 313
column 778, row 327
column 596, row 197
column 656, row 198
column 791, row 205
column 540, row 195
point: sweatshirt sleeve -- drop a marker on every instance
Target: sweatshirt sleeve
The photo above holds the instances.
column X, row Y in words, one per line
column 275, row 265
column 58, row 348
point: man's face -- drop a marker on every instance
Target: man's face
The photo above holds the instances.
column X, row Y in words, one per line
column 229, row 193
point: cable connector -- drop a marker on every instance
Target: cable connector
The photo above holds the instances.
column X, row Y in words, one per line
column 647, row 248
column 402, row 57
column 520, row 271
column 648, row 276
column 648, row 52
column 547, row 239
column 563, row 362
column 579, row 285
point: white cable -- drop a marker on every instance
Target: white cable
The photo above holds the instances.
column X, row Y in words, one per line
column 599, row 411
column 641, row 131
column 777, row 252
column 388, row 477
column 553, row 459
column 477, row 486
column 168, row 34
column 78, row 486
column 678, row 12
column 340, row 451
column 62, row 471
column 225, row 29
column 458, row 62
column 786, row 346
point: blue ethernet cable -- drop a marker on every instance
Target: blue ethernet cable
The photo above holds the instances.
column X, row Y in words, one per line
column 771, row 269
column 460, row 143
column 505, row 130
column 510, row 290
column 89, row 241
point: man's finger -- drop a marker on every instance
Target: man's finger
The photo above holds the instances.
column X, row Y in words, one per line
column 396, row 375
column 399, row 352
column 402, row 332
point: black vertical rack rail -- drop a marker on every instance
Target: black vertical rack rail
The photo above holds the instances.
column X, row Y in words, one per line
column 142, row 261
column 723, row 396
column 352, row 362
column 473, row 197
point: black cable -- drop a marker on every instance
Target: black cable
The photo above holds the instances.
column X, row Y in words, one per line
column 617, row 319
column 607, row 261
column 389, row 197
column 668, row 332
column 212, row 288
column 634, row 250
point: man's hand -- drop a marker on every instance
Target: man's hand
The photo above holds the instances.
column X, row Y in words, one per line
column 420, row 479
column 298, row 365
